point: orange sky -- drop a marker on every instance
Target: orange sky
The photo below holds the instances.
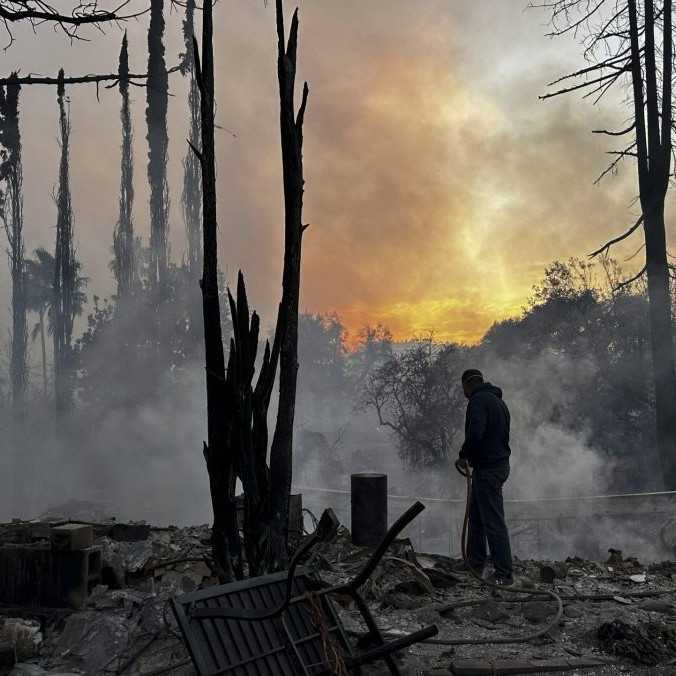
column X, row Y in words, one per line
column 437, row 185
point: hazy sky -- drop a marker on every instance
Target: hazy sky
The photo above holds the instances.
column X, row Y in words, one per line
column 437, row 185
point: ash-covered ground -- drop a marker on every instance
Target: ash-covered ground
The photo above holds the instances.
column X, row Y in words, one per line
column 618, row 613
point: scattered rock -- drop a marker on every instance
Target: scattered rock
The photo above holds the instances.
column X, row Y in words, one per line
column 553, row 571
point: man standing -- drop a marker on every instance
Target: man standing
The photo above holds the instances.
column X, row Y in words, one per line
column 486, row 450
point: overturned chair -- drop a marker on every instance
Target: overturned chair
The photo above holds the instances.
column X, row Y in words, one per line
column 285, row 624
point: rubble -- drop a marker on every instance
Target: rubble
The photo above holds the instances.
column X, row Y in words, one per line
column 126, row 626
column 645, row 643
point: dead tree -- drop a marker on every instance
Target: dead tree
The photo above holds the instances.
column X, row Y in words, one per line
column 64, row 265
column 246, row 416
column 124, row 264
column 236, row 410
column 192, row 181
column 291, row 126
column 631, row 42
column 157, row 93
column 220, row 464
column 38, row 12
column 11, row 211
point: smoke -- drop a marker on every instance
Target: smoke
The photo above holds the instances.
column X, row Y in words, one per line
column 432, row 149
column 437, row 189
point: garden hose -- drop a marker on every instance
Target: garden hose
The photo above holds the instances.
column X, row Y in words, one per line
column 465, row 471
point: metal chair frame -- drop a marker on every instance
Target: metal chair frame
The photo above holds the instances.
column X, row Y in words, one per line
column 287, row 616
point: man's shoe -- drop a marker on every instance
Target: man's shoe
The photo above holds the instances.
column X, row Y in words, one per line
column 500, row 581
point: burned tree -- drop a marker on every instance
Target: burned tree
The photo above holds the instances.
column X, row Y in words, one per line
column 37, row 12
column 124, row 264
column 11, row 211
column 156, row 119
column 40, row 295
column 291, row 126
column 220, row 462
column 631, row 42
column 236, row 409
column 415, row 395
column 64, row 265
column 192, row 180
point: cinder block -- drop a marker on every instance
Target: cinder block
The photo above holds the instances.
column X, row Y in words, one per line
column 39, row 530
column 77, row 572
column 72, row 537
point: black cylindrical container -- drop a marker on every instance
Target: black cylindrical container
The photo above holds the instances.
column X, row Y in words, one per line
column 369, row 508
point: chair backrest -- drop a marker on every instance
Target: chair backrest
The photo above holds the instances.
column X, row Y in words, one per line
column 284, row 646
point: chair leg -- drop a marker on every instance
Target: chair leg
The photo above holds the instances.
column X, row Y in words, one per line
column 373, row 628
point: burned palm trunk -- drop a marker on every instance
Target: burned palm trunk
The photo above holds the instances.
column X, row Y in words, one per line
column 247, row 426
column 64, row 266
column 191, row 198
column 156, row 118
column 653, row 150
column 123, row 239
column 12, row 215
column 291, row 126
column 220, row 462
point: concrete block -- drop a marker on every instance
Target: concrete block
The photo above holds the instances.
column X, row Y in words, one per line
column 41, row 576
column 39, row 530
column 72, row 537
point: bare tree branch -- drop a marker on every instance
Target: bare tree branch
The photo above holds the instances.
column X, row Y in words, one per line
column 631, row 280
column 615, row 133
column 604, row 249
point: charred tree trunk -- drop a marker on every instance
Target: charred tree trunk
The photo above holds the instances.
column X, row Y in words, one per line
column 123, row 238
column 220, row 462
column 64, row 267
column 12, row 215
column 43, row 350
column 192, row 180
column 661, row 340
column 291, row 126
column 156, row 118
column 247, row 425
column 653, row 150
column 236, row 411
column 191, row 196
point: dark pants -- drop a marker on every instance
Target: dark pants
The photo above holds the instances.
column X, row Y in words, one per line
column 487, row 521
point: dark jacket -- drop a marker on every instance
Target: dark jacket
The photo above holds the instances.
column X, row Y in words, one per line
column 486, row 428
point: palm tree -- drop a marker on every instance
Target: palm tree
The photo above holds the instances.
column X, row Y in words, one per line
column 40, row 295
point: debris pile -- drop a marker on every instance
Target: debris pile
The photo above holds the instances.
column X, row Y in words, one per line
column 617, row 613
column 649, row 643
